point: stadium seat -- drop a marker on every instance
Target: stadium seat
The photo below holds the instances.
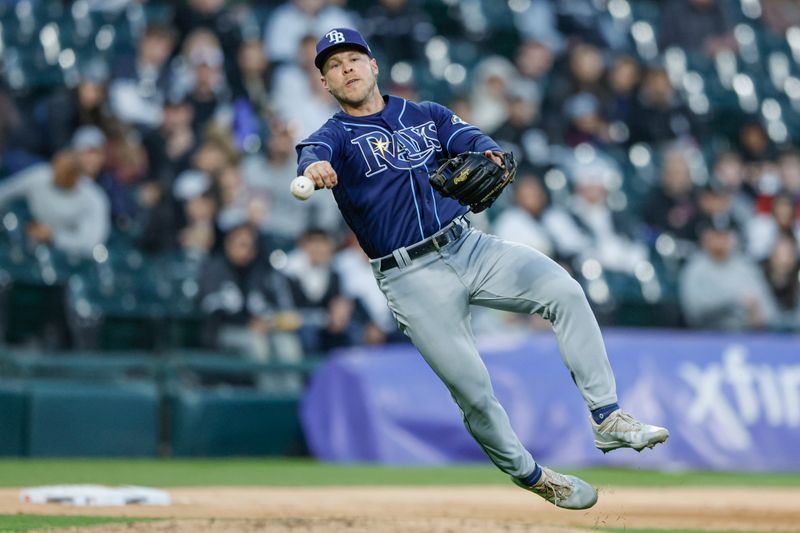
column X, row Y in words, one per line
column 12, row 418
column 76, row 418
column 234, row 422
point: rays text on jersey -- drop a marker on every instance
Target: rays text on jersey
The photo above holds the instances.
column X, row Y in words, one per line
column 402, row 149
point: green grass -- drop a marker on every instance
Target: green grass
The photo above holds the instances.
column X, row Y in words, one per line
column 278, row 473
column 24, row 522
column 624, row 530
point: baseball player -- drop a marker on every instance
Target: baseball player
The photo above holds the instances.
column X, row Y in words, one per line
column 378, row 156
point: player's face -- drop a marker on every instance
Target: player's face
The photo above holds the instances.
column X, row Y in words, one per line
column 350, row 76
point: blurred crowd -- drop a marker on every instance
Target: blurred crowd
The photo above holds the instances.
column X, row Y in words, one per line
column 656, row 141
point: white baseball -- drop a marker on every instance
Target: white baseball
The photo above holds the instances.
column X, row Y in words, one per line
column 302, row 188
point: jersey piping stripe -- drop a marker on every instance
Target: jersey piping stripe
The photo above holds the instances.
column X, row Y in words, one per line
column 311, row 143
column 435, row 209
column 416, row 204
column 447, row 145
column 435, row 213
column 400, row 117
column 370, row 125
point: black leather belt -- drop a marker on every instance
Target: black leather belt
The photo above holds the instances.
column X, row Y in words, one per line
column 434, row 242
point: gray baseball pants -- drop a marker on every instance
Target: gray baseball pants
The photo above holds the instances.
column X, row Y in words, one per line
column 430, row 298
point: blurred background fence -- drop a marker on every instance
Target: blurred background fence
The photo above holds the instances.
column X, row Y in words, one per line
column 137, row 405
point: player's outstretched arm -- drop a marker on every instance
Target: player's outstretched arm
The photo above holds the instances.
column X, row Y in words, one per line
column 322, row 174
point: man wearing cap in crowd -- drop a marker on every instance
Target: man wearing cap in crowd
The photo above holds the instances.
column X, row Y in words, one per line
column 586, row 125
column 90, row 145
column 209, row 87
column 721, row 288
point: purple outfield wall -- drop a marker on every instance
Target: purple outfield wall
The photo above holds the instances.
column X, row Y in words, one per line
column 731, row 402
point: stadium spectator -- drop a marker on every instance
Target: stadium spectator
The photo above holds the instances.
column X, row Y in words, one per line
column 520, row 132
column 780, row 15
column 583, row 18
column 238, row 201
column 10, row 130
column 579, row 73
column 140, row 83
column 623, row 81
column 89, row 145
column 585, row 123
column 723, row 289
column 209, row 90
column 292, row 21
column 197, row 74
column 399, row 29
column 372, row 318
column 270, row 174
column 671, row 207
column 658, row 115
column 766, row 228
column 171, row 146
column 534, row 61
column 253, row 86
column 714, row 202
column 249, row 307
column 199, row 200
column 212, row 15
column 534, row 222
column 69, row 210
column 299, row 82
column 493, row 76
column 605, row 235
column 705, row 25
column 582, row 73
column 789, row 167
column 539, row 22
column 782, row 273
column 755, row 145
column 68, row 109
column 216, row 152
column 318, row 293
column 179, row 213
column 728, row 169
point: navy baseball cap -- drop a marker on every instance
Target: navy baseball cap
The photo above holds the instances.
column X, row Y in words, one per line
column 339, row 38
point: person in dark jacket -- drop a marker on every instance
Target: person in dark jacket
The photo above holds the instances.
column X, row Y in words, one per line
column 697, row 24
column 249, row 306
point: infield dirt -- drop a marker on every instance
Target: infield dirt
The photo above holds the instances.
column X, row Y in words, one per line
column 442, row 509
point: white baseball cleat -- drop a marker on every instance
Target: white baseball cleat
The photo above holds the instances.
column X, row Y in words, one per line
column 621, row 430
column 567, row 492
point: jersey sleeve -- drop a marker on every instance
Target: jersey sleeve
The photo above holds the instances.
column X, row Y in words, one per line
column 322, row 145
column 457, row 136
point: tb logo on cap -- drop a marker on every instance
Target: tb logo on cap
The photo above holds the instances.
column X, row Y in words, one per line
column 335, row 37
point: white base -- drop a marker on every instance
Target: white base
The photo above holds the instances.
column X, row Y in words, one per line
column 94, row 495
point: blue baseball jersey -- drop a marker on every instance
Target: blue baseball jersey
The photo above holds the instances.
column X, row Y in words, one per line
column 383, row 162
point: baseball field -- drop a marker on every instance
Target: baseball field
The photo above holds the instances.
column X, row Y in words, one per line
column 304, row 496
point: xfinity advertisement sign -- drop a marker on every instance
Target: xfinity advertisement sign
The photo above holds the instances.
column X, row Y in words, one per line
column 734, row 395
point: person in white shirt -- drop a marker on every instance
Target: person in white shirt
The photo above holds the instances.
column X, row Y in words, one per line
column 532, row 221
column 70, row 211
column 764, row 229
column 605, row 234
